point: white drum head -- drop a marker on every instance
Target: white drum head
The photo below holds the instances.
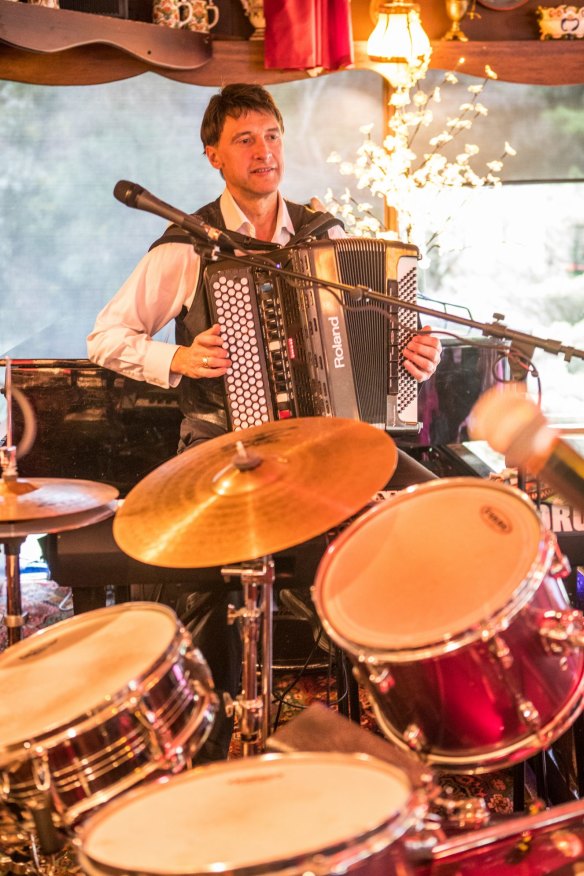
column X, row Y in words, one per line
column 63, row 672
column 429, row 564
column 245, row 814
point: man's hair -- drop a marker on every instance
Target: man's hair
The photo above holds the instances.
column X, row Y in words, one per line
column 236, row 100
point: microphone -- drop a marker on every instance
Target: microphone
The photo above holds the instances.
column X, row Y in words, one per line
column 133, row 195
column 513, row 425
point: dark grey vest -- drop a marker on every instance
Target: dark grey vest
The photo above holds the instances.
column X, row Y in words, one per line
column 205, row 399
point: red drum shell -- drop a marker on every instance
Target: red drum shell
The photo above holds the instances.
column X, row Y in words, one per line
column 438, row 596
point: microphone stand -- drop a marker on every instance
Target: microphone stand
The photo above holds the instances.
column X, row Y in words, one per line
column 522, row 341
column 14, row 617
column 210, row 241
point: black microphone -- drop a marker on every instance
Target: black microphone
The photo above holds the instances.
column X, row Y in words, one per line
column 513, row 425
column 133, row 195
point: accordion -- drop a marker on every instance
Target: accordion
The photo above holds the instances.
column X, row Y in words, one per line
column 300, row 349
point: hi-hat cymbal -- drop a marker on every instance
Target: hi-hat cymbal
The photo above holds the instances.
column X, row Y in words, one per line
column 45, row 498
column 19, row 529
column 285, row 483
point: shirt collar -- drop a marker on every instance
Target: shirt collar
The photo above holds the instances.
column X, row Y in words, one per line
column 236, row 220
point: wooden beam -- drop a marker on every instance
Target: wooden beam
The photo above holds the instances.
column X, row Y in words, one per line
column 49, row 32
column 534, row 62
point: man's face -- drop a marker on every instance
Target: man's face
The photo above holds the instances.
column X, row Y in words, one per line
column 249, row 154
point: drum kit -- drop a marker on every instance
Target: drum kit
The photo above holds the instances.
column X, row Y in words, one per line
column 233, row 501
column 447, row 599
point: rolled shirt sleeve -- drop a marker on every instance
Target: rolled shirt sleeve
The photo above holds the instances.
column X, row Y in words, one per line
column 163, row 282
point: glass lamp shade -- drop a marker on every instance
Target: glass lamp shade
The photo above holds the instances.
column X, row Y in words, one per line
column 400, row 43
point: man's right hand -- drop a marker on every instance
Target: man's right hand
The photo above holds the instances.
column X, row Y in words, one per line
column 206, row 357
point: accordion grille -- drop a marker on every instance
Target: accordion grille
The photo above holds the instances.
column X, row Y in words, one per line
column 368, row 331
column 375, row 340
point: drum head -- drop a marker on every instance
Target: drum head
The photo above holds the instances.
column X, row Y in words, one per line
column 80, row 664
column 274, row 809
column 429, row 564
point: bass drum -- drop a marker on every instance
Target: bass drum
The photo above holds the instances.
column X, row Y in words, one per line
column 97, row 703
column 449, row 601
column 318, row 813
column 549, row 843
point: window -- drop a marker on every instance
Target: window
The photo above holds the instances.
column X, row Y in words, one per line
column 518, row 249
column 66, row 245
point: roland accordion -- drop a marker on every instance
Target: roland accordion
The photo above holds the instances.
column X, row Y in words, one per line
column 300, row 349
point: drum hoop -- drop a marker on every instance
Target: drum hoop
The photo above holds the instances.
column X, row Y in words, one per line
column 374, row 840
column 33, row 747
column 500, row 619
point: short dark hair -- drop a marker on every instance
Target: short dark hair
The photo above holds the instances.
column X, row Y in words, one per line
column 236, row 100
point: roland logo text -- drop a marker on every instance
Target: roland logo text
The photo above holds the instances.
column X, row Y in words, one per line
column 339, row 356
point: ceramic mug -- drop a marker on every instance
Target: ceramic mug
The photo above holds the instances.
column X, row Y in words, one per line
column 51, row 4
column 205, row 15
column 172, row 13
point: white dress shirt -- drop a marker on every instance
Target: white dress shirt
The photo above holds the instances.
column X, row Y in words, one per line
column 163, row 282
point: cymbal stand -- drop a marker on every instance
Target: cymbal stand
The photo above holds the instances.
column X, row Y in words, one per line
column 14, row 619
column 253, row 711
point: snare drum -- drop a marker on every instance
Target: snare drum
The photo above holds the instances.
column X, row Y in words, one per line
column 98, row 702
column 319, row 813
column 449, row 602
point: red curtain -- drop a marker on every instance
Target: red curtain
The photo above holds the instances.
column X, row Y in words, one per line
column 301, row 34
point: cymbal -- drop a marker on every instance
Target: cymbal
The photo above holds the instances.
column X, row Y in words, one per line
column 46, row 498
column 61, row 523
column 254, row 492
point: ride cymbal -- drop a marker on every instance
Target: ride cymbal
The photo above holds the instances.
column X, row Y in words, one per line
column 255, row 492
column 45, row 498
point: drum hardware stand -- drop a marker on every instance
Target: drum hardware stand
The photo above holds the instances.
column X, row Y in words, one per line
column 252, row 710
column 35, row 846
column 14, row 618
column 465, row 814
column 58, row 505
column 346, row 680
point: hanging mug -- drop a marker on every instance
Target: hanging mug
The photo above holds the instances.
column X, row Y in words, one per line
column 205, row 16
column 51, row 4
column 172, row 13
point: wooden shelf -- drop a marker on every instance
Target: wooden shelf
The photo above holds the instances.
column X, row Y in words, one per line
column 60, row 47
column 536, row 62
column 532, row 62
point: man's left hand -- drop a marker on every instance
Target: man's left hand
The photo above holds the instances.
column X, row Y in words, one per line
column 422, row 355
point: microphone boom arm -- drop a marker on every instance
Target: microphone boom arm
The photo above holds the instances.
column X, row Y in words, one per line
column 133, row 195
column 358, row 294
